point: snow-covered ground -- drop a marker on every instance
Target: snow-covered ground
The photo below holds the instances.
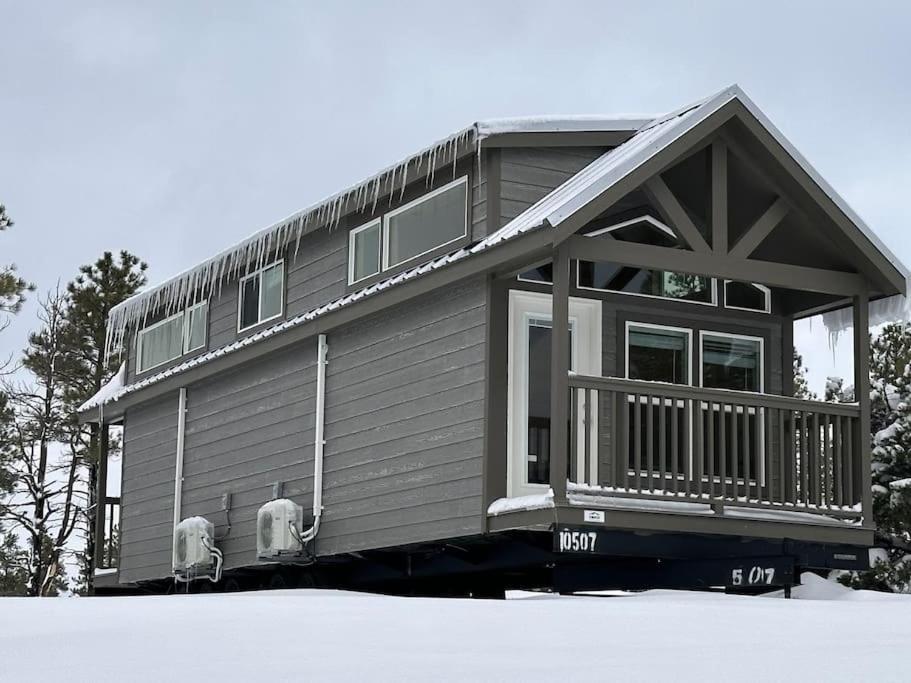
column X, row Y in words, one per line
column 307, row 635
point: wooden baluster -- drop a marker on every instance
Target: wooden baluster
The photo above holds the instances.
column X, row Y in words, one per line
column 614, row 434
column 838, row 477
column 722, row 450
column 587, row 447
column 850, row 455
column 747, row 451
column 710, row 455
column 804, row 455
column 697, row 455
column 573, row 459
column 816, row 443
column 675, row 441
column 687, row 427
column 649, row 442
column 638, row 443
column 623, row 457
column 735, row 437
column 782, row 455
column 662, row 444
column 827, row 462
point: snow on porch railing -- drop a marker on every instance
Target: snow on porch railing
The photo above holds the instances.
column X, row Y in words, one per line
column 656, row 440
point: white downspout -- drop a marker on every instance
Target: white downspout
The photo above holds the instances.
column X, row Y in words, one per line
column 319, row 440
column 178, row 463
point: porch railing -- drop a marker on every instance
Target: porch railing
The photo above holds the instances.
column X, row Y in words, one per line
column 111, row 548
column 655, row 440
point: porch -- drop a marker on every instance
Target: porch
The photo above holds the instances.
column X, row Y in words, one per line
column 683, row 444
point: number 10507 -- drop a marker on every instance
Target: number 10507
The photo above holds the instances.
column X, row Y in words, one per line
column 578, row 541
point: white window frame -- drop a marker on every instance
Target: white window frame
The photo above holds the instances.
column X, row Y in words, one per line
column 385, row 265
column 714, row 289
column 585, row 319
column 377, row 222
column 670, row 328
column 280, row 263
column 186, row 327
column 765, row 290
column 184, row 336
column 760, row 417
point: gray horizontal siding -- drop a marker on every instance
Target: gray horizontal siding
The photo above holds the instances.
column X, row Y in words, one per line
column 245, row 431
column 404, row 424
column 528, row 174
column 147, row 490
column 404, row 434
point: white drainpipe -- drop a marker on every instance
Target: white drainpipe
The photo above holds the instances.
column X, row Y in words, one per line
column 319, row 441
column 178, row 465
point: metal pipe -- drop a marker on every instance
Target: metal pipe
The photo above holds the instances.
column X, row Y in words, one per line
column 319, row 441
column 178, row 464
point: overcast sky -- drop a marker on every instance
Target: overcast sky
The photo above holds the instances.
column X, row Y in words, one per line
column 176, row 129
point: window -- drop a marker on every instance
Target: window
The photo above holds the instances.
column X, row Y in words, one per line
column 431, row 221
column 611, row 277
column 655, row 353
column 172, row 337
column 747, row 296
column 261, row 296
column 364, row 251
column 731, row 362
column 543, row 274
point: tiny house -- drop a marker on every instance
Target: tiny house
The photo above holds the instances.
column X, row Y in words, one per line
column 543, row 352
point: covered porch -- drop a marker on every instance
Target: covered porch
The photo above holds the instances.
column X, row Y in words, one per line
column 713, row 440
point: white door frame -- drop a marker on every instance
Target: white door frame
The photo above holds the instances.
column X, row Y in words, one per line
column 585, row 322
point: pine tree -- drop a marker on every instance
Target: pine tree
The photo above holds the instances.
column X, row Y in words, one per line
column 890, row 395
column 44, row 502
column 801, row 386
column 12, row 286
column 85, row 367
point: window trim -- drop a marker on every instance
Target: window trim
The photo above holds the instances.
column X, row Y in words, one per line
column 240, row 296
column 731, row 335
column 766, row 290
column 714, row 289
column 184, row 339
column 351, row 243
column 384, row 261
column 644, row 218
column 205, row 327
column 689, row 350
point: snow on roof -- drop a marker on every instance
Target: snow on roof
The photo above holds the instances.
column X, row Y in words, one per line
column 562, row 124
column 553, row 209
column 108, row 391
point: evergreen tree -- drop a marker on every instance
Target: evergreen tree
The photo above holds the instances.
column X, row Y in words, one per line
column 890, row 395
column 801, row 387
column 44, row 501
column 12, row 286
column 85, row 367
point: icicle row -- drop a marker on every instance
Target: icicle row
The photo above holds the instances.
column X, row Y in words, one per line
column 207, row 279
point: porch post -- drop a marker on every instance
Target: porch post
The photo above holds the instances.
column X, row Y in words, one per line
column 101, row 493
column 559, row 375
column 862, row 395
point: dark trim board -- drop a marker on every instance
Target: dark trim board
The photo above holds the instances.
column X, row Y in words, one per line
column 680, row 522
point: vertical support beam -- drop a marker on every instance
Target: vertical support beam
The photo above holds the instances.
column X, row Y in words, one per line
column 101, row 493
column 495, row 394
column 719, row 197
column 178, row 460
column 862, row 394
column 787, row 356
column 559, row 375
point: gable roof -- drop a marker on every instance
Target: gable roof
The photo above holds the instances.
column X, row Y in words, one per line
column 551, row 211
